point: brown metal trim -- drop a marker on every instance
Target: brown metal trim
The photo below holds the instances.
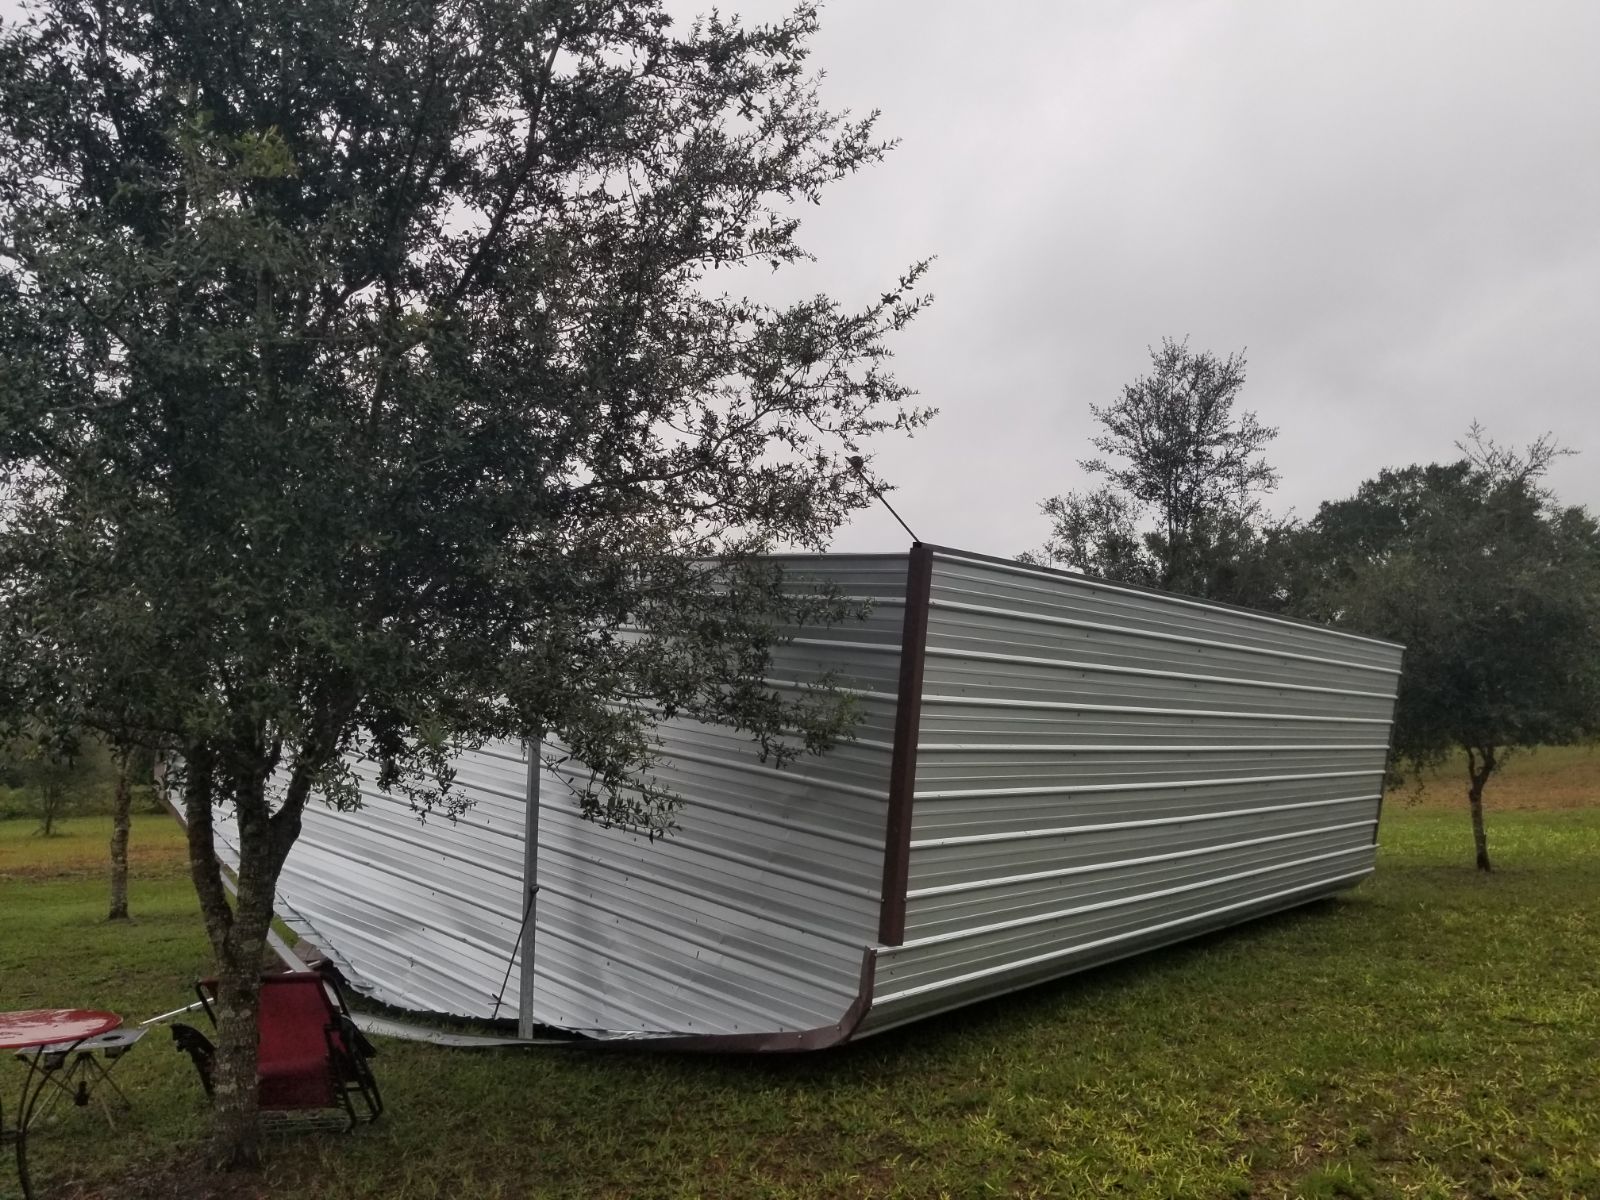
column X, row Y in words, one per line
column 907, row 726
column 763, row 1043
column 1388, row 753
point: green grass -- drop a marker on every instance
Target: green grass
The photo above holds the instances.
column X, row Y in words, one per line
column 1433, row 1034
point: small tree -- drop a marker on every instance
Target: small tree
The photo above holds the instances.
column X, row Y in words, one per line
column 54, row 760
column 366, row 389
column 47, row 763
column 1495, row 590
column 121, row 826
column 1180, row 506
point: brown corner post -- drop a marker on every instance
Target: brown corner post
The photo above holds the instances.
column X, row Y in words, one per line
column 907, row 725
column 1388, row 751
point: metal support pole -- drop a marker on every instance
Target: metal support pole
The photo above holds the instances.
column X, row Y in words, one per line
column 530, row 886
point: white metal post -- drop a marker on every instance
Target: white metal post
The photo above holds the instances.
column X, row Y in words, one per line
column 530, row 888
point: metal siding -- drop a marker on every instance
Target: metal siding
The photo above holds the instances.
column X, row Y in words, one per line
column 418, row 913
column 753, row 916
column 1101, row 770
column 1098, row 770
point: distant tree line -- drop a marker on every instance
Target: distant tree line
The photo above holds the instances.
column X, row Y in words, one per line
column 1490, row 582
column 50, row 772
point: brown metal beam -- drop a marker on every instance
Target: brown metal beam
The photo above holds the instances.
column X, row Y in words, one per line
column 903, row 766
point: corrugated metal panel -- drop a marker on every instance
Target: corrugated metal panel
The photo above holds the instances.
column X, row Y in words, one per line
column 1101, row 770
column 420, row 914
column 754, row 915
column 1095, row 770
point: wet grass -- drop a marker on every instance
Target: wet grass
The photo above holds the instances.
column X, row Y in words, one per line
column 1432, row 1034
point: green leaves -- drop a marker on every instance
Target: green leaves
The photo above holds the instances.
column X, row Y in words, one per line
column 1493, row 587
column 360, row 374
column 1180, row 505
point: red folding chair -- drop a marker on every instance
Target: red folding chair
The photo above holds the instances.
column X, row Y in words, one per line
column 310, row 1054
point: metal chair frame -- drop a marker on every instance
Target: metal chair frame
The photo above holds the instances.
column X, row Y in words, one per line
column 347, row 1049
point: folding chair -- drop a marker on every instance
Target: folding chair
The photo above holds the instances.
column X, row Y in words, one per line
column 310, row 1054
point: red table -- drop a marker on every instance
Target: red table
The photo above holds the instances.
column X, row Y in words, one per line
column 52, row 1034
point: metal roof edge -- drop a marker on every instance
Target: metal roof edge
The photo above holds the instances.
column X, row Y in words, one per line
column 1140, row 589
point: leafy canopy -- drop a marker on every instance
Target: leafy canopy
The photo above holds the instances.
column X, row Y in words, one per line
column 365, row 383
column 364, row 368
column 1180, row 505
column 1492, row 585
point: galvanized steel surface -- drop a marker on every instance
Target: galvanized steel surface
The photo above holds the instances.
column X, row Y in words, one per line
column 1098, row 770
column 1102, row 769
column 752, row 917
column 419, row 913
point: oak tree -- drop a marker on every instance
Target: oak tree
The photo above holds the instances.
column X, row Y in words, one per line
column 374, row 379
column 1494, row 588
column 1183, row 473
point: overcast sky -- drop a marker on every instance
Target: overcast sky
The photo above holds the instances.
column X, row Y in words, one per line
column 1394, row 206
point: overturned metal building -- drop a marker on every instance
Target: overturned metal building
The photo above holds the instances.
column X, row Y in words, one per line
column 1051, row 772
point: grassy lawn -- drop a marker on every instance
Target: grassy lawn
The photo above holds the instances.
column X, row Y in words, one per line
column 1434, row 1033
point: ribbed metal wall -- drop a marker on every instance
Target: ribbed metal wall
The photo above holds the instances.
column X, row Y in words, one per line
column 1098, row 770
column 418, row 914
column 1101, row 770
column 754, row 915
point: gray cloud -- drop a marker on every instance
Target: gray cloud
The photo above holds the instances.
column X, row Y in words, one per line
column 1395, row 207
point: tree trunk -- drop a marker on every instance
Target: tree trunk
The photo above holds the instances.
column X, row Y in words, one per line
column 238, row 1137
column 121, row 821
column 49, row 808
column 1481, row 763
column 234, row 1072
column 238, row 931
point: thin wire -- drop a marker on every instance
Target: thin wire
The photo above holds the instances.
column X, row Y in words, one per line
column 515, row 946
column 859, row 466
